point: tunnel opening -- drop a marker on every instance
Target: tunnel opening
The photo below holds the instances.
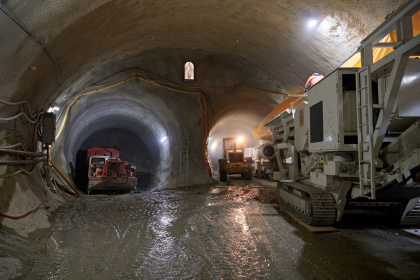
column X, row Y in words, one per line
column 122, row 121
column 132, row 150
column 236, row 119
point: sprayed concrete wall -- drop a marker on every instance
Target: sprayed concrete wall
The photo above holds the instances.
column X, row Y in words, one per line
column 52, row 51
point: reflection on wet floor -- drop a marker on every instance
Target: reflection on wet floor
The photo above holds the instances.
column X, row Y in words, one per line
column 221, row 232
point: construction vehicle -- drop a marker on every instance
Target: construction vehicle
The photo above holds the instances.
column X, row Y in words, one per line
column 233, row 161
column 108, row 172
column 264, row 161
column 354, row 146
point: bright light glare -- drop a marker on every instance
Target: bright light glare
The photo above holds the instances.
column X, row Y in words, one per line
column 213, row 146
column 240, row 139
column 53, row 109
column 312, row 23
column 164, row 139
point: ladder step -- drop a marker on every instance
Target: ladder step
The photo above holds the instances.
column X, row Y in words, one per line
column 365, row 161
column 374, row 106
column 362, row 124
column 366, row 142
column 362, row 88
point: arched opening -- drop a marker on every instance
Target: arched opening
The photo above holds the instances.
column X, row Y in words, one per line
column 236, row 119
column 121, row 120
column 131, row 147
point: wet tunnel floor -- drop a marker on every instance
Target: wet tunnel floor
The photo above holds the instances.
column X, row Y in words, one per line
column 219, row 232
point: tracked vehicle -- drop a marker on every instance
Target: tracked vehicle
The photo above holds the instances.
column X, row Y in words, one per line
column 354, row 145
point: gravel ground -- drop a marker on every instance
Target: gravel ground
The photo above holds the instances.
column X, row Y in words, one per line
column 228, row 231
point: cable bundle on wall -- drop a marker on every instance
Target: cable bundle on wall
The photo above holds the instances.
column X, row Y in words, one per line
column 25, row 115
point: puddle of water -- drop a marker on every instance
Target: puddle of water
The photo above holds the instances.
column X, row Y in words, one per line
column 62, row 239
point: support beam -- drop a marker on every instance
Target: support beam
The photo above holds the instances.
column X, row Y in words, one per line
column 389, row 102
column 404, row 29
column 367, row 55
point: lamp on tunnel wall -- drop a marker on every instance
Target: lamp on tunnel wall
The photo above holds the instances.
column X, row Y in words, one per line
column 164, row 139
column 52, row 109
column 312, row 22
column 189, row 72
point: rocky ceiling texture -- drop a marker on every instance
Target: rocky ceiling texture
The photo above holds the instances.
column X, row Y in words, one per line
column 52, row 51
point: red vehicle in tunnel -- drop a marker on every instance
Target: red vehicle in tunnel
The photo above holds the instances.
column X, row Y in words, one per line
column 108, row 172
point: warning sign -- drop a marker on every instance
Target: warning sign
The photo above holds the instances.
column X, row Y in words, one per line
column 301, row 118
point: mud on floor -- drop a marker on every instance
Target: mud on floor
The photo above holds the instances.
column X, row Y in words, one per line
column 228, row 231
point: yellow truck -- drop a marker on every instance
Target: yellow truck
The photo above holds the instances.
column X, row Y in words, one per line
column 233, row 161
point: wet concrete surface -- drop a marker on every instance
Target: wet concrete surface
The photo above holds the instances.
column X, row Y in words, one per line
column 227, row 231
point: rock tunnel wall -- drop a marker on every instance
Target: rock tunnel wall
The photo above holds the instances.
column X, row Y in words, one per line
column 51, row 52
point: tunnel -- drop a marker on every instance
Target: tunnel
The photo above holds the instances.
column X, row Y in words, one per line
column 114, row 74
column 100, row 76
column 128, row 125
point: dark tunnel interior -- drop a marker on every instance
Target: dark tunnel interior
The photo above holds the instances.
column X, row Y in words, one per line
column 132, row 149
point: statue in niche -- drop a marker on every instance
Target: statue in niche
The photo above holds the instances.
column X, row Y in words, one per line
column 189, row 71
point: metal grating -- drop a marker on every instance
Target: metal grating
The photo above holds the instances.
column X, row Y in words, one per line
column 317, row 123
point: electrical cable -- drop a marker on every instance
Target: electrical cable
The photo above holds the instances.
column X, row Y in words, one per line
column 17, row 217
column 11, row 173
column 29, row 118
column 168, row 86
column 17, row 116
column 23, row 215
column 61, row 191
column 18, row 104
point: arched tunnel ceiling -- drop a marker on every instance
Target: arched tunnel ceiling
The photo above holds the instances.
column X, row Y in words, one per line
column 269, row 37
column 74, row 44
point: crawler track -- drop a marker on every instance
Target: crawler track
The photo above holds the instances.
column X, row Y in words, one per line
column 412, row 218
column 313, row 206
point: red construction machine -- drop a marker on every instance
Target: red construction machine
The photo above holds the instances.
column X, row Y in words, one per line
column 108, row 172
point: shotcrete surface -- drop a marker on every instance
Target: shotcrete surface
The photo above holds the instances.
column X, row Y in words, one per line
column 228, row 231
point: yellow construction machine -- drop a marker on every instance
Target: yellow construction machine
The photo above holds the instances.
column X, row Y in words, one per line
column 233, row 161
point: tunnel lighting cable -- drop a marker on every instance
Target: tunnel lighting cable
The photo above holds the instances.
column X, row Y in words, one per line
column 11, row 173
column 17, row 116
column 64, row 177
column 61, row 191
column 13, row 146
column 246, row 85
column 108, row 87
column 168, row 86
column 29, row 118
column 174, row 84
column 27, row 107
column 48, row 171
column 23, row 215
column 81, row 93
